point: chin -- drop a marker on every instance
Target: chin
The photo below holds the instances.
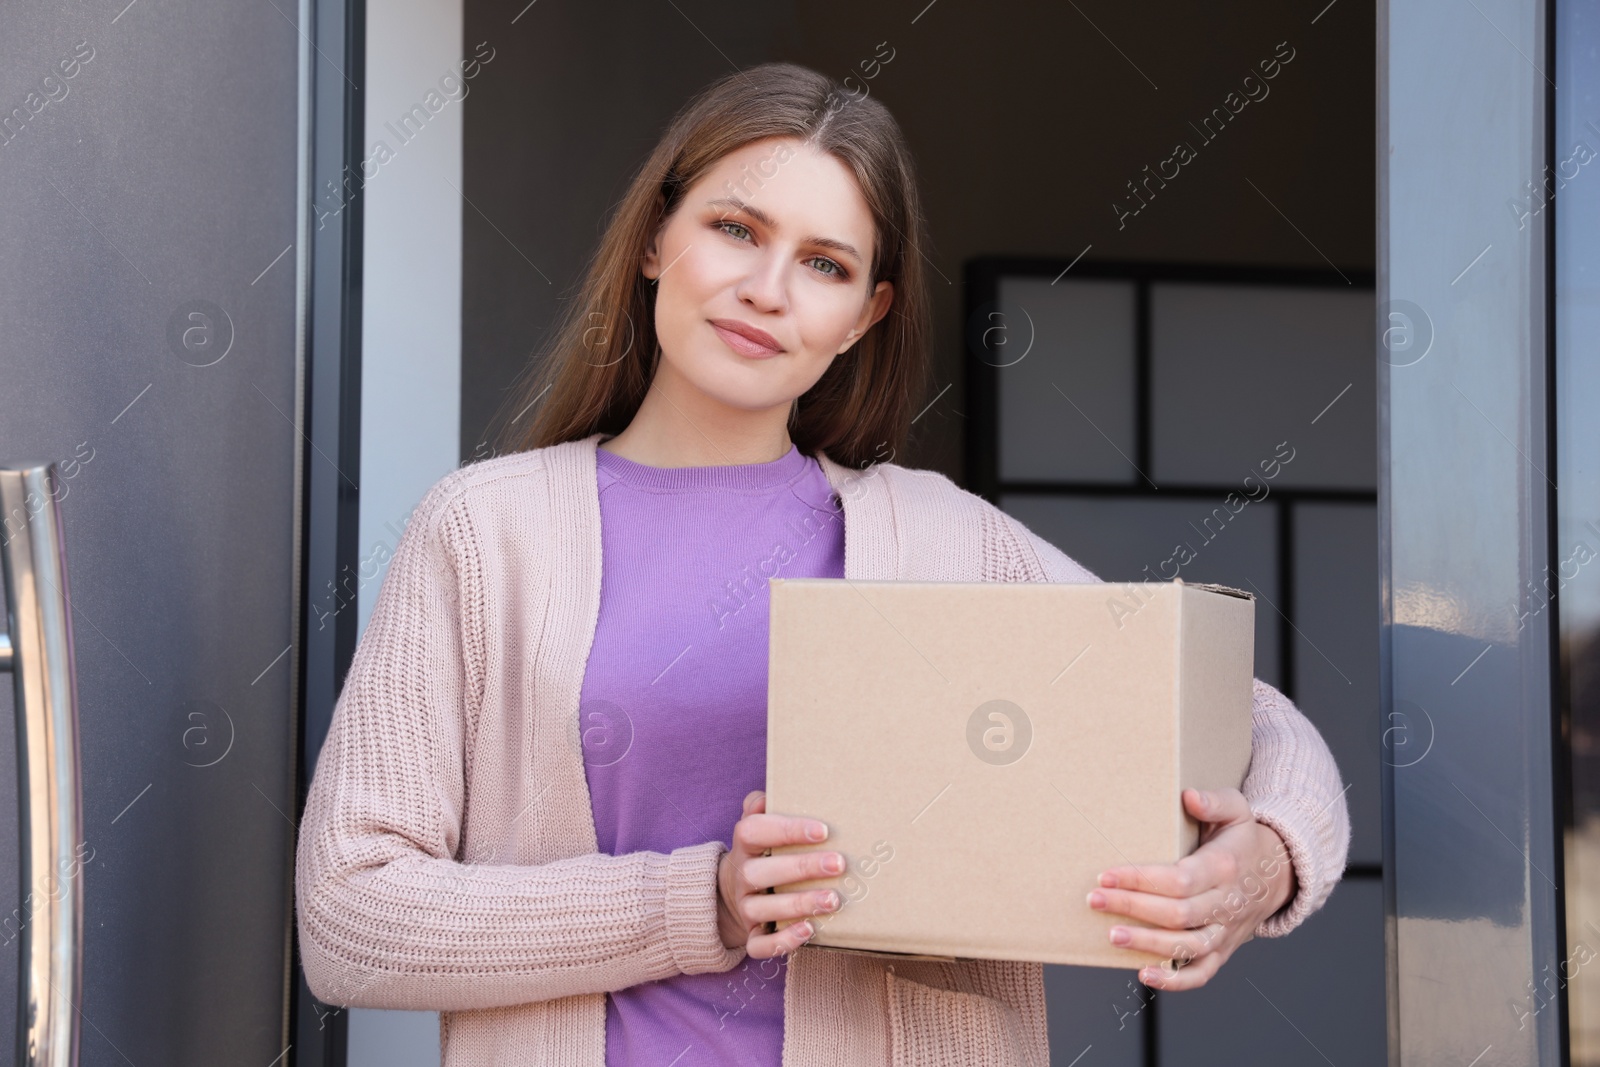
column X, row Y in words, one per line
column 745, row 397
column 746, row 385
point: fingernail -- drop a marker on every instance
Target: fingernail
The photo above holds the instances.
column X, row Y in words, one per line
column 830, row 901
column 817, row 832
column 1109, row 881
column 833, row 864
column 1097, row 900
column 1120, row 936
column 806, row 930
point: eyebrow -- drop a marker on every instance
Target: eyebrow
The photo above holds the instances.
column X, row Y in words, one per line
column 766, row 220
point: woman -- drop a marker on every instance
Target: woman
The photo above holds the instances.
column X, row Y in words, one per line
column 538, row 809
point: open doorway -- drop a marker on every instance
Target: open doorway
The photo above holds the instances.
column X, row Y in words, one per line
column 1208, row 161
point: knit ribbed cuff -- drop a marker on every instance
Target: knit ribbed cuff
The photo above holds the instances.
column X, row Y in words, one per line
column 1286, row 816
column 692, row 930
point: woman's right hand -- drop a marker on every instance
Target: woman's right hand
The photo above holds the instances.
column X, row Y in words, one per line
column 744, row 875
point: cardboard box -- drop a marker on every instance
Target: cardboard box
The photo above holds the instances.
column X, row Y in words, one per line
column 982, row 751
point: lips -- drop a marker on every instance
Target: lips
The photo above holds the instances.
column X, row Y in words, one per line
column 745, row 339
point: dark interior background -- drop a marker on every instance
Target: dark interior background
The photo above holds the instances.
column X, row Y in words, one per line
column 1027, row 119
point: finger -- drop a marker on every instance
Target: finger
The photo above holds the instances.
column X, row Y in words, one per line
column 757, row 832
column 754, row 802
column 766, row 872
column 1190, row 976
column 761, row 908
column 785, row 941
column 1187, row 945
column 1172, row 913
column 1217, row 805
column 1215, row 863
column 1185, row 878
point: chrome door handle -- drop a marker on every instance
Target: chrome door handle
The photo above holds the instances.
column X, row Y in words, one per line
column 37, row 650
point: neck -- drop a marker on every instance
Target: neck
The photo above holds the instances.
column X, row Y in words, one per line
column 678, row 425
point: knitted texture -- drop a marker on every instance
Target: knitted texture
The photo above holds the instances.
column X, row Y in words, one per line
column 447, row 855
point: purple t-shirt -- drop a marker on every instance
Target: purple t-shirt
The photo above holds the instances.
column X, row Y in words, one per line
column 674, row 707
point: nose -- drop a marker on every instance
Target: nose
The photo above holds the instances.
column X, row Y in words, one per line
column 765, row 287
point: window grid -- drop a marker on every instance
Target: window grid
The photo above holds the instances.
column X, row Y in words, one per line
column 982, row 291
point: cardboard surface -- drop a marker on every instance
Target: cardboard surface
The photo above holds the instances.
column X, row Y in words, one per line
column 982, row 751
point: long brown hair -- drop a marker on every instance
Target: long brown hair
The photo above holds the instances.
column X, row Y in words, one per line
column 595, row 370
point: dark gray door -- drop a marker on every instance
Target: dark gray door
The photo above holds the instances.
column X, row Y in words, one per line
column 148, row 277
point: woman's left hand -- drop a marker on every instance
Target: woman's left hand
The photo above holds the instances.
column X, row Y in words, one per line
column 1206, row 905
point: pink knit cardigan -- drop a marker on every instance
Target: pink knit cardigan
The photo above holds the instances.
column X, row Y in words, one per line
column 447, row 856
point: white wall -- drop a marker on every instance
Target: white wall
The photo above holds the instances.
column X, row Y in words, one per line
column 410, row 334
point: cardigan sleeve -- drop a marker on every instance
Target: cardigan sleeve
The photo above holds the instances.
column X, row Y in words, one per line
column 388, row 916
column 1293, row 784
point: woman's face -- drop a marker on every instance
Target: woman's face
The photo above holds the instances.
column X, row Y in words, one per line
column 763, row 277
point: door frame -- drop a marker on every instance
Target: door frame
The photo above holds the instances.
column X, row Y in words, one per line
column 1472, row 909
column 328, row 285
